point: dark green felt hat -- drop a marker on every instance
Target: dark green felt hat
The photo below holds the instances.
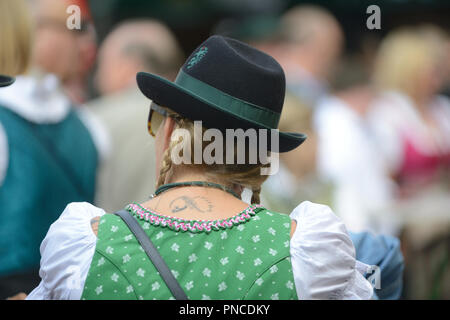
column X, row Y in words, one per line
column 227, row 85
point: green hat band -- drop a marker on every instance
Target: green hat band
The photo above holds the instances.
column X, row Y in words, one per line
column 227, row 103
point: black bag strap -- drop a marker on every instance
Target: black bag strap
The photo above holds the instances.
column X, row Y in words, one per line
column 153, row 254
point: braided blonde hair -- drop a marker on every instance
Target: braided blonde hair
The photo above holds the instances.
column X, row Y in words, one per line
column 241, row 175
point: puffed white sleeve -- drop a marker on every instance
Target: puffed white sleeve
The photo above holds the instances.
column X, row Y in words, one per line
column 323, row 256
column 66, row 254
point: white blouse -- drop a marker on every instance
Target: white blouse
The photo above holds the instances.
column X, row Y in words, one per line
column 322, row 255
column 39, row 99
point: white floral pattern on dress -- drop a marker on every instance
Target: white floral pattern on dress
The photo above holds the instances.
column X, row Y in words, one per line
column 114, row 277
column 155, row 286
column 192, row 258
column 109, row 250
column 189, row 285
column 208, row 245
column 224, row 261
column 175, row 247
column 140, row 272
column 100, row 262
column 222, row 286
column 206, row 272
column 129, row 289
column 175, row 273
column 126, row 258
column 246, row 265
column 99, row 290
column 290, row 285
column 240, row 275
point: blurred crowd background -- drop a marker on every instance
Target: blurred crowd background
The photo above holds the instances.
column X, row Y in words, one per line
column 374, row 104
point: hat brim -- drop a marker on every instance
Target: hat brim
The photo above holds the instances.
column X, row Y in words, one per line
column 194, row 107
column 6, row 81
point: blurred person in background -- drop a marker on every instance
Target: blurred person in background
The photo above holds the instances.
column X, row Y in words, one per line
column 297, row 177
column 362, row 189
column 309, row 43
column 300, row 176
column 47, row 154
column 411, row 123
column 409, row 118
column 312, row 44
column 133, row 46
column 68, row 54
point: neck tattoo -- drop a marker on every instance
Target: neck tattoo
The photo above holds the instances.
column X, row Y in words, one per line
column 198, row 203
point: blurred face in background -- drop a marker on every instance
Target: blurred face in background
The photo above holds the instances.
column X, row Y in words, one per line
column 327, row 46
column 136, row 45
column 412, row 61
column 115, row 71
column 66, row 53
column 314, row 39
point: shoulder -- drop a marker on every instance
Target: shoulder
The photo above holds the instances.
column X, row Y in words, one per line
column 270, row 213
column 323, row 256
column 275, row 220
column 318, row 224
column 66, row 253
column 310, row 214
column 74, row 219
